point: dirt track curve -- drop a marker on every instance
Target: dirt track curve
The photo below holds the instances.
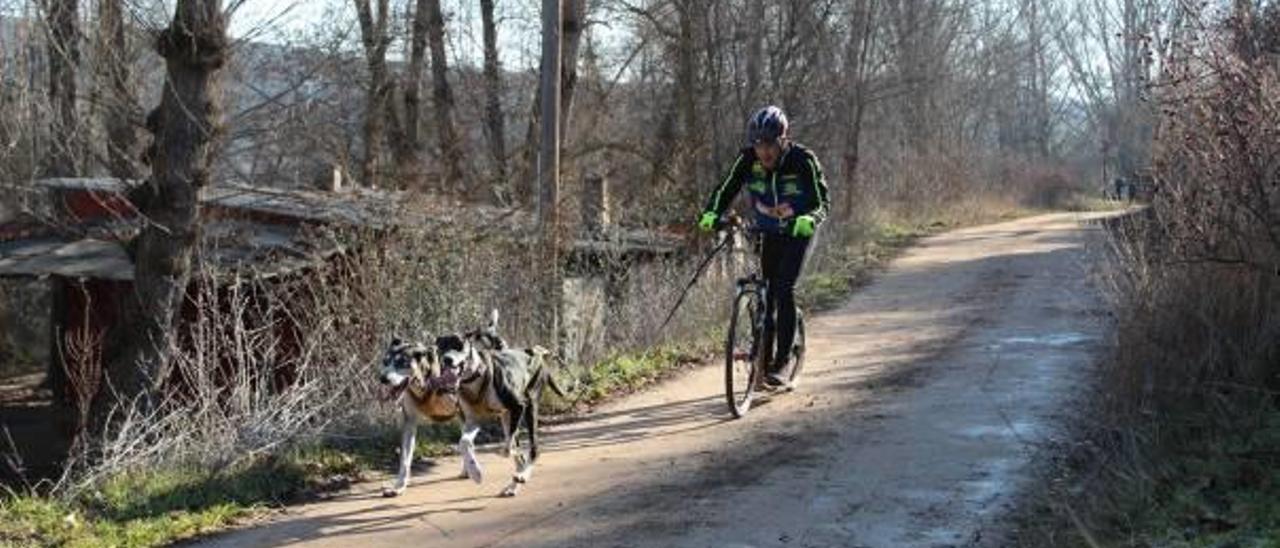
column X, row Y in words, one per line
column 915, row 425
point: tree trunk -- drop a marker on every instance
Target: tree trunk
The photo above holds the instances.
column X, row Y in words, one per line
column 187, row 124
column 495, row 126
column 121, row 116
column 571, row 40
column 525, row 182
column 686, row 93
column 857, row 63
column 62, row 155
column 755, row 52
column 549, row 162
column 575, row 13
column 1038, row 76
column 373, row 34
column 451, row 150
column 62, row 19
column 409, row 144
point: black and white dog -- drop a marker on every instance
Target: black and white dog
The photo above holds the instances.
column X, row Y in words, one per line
column 482, row 378
column 413, row 375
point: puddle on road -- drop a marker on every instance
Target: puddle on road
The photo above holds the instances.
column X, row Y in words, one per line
column 994, row 478
column 1018, row 429
column 1051, row 339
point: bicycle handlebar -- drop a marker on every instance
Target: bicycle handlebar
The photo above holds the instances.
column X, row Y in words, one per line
column 732, row 222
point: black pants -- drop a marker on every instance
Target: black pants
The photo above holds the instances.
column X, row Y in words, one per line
column 780, row 260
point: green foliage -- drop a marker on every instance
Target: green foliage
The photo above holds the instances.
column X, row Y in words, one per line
column 150, row 508
column 161, row 506
column 36, row 521
column 1220, row 492
column 629, row 372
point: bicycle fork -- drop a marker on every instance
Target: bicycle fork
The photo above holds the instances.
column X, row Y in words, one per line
column 761, row 341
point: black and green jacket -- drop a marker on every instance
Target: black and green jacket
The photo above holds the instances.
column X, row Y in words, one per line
column 795, row 188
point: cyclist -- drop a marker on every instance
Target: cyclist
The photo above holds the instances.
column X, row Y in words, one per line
column 789, row 196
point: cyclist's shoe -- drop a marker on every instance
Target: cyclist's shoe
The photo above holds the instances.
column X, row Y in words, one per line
column 762, row 383
column 776, row 381
column 780, row 375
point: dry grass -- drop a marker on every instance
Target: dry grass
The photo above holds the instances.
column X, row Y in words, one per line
column 1182, row 440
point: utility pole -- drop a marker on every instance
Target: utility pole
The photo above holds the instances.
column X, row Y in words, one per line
column 549, row 163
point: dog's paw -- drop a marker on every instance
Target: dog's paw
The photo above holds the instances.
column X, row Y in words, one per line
column 392, row 491
column 517, row 481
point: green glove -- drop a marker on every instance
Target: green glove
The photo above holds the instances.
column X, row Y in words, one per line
column 708, row 221
column 803, row 226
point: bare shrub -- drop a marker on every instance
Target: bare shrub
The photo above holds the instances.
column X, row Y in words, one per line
column 266, row 363
column 1199, row 288
column 1194, row 282
column 83, row 364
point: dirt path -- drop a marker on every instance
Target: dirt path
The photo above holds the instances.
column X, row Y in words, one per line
column 922, row 400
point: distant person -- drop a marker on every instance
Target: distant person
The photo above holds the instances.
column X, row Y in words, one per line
column 1119, row 183
column 789, row 195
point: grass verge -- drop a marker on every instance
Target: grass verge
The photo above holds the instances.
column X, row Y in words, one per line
column 1216, row 491
column 163, row 506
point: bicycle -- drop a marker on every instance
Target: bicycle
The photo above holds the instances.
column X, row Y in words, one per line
column 745, row 361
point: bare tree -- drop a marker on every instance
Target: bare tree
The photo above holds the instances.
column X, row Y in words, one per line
column 62, row 22
column 755, row 53
column 62, row 157
column 549, row 160
column 186, row 124
column 920, row 51
column 495, row 125
column 572, row 25
column 690, row 14
column 406, row 132
column 121, row 115
column 857, row 68
column 374, row 37
column 452, row 151
column 572, row 19
column 1038, row 78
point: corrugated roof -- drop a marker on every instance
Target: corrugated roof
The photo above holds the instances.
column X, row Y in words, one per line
column 264, row 250
column 244, row 231
column 84, row 258
column 98, row 184
column 356, row 207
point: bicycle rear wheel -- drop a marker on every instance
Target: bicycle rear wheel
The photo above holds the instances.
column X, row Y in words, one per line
column 740, row 353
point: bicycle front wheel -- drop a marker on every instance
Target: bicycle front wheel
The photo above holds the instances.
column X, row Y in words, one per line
column 741, row 348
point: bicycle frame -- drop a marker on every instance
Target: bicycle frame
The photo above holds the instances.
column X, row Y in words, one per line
column 754, row 289
column 754, row 282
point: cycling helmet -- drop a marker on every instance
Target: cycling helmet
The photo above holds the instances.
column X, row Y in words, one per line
column 768, row 125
